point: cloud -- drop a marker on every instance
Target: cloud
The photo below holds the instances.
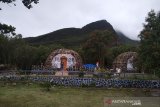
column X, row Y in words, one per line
column 50, row 15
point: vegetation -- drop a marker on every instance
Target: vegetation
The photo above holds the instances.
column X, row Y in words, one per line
column 23, row 53
column 27, row 3
column 124, row 40
column 46, row 85
column 113, row 52
column 7, row 29
column 33, row 96
column 149, row 53
column 95, row 42
column 95, row 48
column 16, row 53
column 81, row 74
column 97, row 45
column 75, row 37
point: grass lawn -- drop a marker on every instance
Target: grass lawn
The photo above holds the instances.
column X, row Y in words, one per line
column 35, row 96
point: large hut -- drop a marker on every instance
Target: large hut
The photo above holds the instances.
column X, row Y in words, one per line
column 125, row 61
column 63, row 59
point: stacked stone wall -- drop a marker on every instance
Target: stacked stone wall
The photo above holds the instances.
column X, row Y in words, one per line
column 89, row 82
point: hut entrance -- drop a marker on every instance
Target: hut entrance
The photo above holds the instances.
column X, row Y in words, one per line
column 64, row 63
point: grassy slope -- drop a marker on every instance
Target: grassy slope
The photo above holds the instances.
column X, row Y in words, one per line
column 33, row 96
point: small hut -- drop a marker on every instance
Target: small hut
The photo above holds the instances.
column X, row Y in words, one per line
column 125, row 61
column 63, row 58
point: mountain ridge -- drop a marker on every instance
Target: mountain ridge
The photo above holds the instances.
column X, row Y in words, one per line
column 76, row 36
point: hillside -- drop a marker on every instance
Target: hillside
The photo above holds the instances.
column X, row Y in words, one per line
column 69, row 37
column 125, row 40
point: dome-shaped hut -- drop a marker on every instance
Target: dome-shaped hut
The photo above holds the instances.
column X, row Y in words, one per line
column 63, row 58
column 125, row 61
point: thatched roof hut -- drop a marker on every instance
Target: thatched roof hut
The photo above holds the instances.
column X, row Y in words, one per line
column 63, row 58
column 125, row 61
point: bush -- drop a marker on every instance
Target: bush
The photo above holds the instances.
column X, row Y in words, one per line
column 108, row 75
column 81, row 74
column 99, row 75
column 157, row 72
column 95, row 75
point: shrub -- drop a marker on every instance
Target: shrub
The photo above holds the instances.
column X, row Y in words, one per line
column 157, row 72
column 81, row 74
column 99, row 75
column 108, row 75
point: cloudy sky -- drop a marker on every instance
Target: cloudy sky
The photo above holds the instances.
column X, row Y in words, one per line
column 50, row 15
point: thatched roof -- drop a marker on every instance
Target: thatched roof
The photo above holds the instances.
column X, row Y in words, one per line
column 121, row 60
column 48, row 62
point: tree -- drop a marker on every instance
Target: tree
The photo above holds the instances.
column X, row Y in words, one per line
column 42, row 54
column 8, row 46
column 27, row 3
column 7, row 30
column 3, row 49
column 149, row 53
column 16, row 53
column 97, row 45
column 13, row 50
column 113, row 52
column 25, row 56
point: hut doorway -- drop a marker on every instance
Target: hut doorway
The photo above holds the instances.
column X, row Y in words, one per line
column 64, row 63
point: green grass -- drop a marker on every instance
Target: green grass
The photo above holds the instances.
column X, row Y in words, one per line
column 135, row 76
column 35, row 96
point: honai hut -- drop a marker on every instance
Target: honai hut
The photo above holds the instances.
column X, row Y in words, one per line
column 125, row 62
column 63, row 59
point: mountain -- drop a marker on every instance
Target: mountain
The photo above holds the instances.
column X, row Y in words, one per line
column 70, row 37
column 98, row 25
column 125, row 40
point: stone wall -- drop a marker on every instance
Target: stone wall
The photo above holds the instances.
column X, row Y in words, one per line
column 91, row 82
